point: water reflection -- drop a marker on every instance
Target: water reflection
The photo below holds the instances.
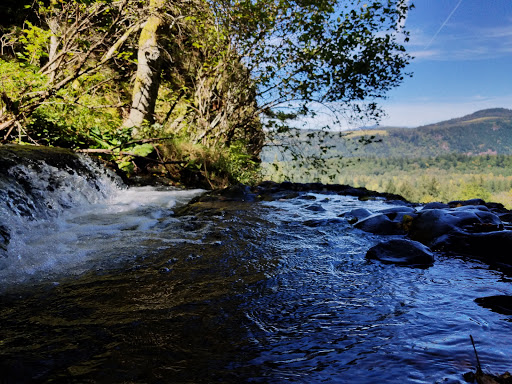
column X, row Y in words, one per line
column 250, row 294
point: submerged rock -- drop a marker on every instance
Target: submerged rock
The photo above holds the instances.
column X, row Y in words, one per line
column 380, row 224
column 500, row 304
column 433, row 223
column 322, row 222
column 402, row 252
column 490, row 247
column 315, row 208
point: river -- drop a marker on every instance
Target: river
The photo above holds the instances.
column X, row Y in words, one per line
column 116, row 288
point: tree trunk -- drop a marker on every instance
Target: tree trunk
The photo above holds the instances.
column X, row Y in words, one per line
column 54, row 46
column 147, row 82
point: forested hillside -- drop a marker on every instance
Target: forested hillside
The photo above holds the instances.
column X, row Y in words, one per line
column 487, row 131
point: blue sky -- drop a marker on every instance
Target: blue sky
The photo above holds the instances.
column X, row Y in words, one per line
column 463, row 61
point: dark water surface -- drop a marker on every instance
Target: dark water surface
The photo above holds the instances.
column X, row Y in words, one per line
column 246, row 293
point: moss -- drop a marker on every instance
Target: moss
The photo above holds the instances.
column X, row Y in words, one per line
column 13, row 154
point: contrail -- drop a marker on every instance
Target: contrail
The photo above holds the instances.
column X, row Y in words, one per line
column 442, row 26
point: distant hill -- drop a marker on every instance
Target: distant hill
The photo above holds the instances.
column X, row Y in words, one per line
column 487, row 131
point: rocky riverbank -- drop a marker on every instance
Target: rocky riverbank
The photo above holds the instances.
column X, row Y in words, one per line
column 471, row 228
column 418, row 233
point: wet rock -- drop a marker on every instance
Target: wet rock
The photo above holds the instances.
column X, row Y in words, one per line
column 11, row 155
column 500, row 304
column 402, row 252
column 238, row 192
column 322, row 222
column 496, row 207
column 490, row 247
column 399, row 214
column 505, row 217
column 433, row 223
column 307, row 197
column 267, row 188
column 357, row 214
column 380, row 224
column 462, row 203
column 390, row 221
column 315, row 208
column 480, row 377
column 5, row 237
column 395, row 210
column 435, row 205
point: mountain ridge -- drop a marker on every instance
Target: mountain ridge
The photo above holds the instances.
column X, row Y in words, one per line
column 487, row 131
column 489, row 113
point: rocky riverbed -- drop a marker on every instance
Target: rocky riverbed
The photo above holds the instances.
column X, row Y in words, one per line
column 469, row 229
column 271, row 283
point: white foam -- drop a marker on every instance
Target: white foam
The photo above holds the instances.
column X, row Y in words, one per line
column 88, row 223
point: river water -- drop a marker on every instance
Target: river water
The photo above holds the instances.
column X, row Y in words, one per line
column 118, row 289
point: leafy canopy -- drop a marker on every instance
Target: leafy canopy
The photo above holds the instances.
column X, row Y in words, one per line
column 343, row 54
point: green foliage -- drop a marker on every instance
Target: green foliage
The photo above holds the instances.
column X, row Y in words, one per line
column 143, row 150
column 50, row 129
column 240, row 164
column 344, row 53
column 473, row 190
column 35, row 41
column 225, row 64
column 18, row 78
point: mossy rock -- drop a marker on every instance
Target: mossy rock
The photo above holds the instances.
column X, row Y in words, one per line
column 13, row 154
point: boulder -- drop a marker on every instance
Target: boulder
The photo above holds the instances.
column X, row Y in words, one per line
column 402, row 252
column 500, row 304
column 380, row 224
column 435, row 205
column 460, row 203
column 357, row 214
column 400, row 214
column 433, row 223
column 490, row 247
column 505, row 217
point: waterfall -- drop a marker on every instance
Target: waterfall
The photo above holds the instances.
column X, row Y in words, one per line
column 64, row 213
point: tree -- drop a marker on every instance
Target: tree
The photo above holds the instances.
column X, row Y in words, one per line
column 303, row 56
column 149, row 62
column 345, row 54
column 211, row 72
column 296, row 53
column 76, row 41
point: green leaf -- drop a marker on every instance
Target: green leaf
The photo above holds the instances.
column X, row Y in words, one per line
column 143, row 150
